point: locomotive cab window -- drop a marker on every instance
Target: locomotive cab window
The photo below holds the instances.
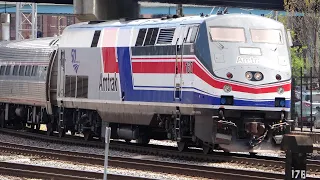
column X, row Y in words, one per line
column 272, row 36
column 227, row 34
column 192, row 34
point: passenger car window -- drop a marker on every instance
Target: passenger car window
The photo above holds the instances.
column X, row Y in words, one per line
column 34, row 71
column 28, row 70
column 15, row 70
column 21, row 70
column 8, row 70
column 2, row 70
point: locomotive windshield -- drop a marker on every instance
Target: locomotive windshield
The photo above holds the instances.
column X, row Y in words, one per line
column 271, row 36
column 227, row 34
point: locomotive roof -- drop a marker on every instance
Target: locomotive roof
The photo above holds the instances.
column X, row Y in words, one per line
column 158, row 21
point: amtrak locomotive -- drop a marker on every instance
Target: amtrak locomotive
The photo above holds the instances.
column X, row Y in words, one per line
column 215, row 81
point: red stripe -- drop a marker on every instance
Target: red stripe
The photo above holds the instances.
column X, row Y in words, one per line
column 109, row 60
column 169, row 67
column 162, row 58
column 218, row 84
column 156, row 67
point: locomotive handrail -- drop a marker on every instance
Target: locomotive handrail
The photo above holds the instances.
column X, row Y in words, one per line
column 228, row 123
column 277, row 125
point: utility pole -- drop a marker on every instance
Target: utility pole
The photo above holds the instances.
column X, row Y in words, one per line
column 316, row 36
column 179, row 10
column 23, row 13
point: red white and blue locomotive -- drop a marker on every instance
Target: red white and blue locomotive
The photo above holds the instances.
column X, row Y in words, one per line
column 218, row 81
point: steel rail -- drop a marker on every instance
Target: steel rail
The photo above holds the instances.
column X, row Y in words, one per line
column 32, row 171
column 262, row 161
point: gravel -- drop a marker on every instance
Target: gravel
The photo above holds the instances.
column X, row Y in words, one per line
column 54, row 163
column 92, row 168
column 25, row 141
column 4, row 177
column 43, row 144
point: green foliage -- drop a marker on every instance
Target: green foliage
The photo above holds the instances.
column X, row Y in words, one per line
column 297, row 61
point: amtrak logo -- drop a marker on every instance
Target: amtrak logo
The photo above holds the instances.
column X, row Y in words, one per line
column 75, row 63
column 247, row 60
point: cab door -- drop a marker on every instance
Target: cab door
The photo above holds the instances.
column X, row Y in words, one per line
column 61, row 72
column 178, row 76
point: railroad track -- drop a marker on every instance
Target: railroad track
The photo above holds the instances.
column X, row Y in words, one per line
column 271, row 162
column 132, row 163
column 31, row 171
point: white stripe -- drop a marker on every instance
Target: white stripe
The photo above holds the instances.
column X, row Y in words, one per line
column 165, row 83
column 172, row 104
column 197, row 61
column 154, row 60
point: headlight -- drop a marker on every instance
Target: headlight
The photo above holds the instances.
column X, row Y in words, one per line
column 249, row 75
column 227, row 88
column 258, row 76
column 280, row 90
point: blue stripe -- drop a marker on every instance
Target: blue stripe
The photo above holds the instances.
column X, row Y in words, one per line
column 194, row 88
column 168, row 96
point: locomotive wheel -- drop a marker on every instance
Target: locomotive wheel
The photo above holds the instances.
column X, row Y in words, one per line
column 206, row 149
column 87, row 135
column 182, row 146
column 61, row 132
column 35, row 127
column 143, row 140
column 49, row 129
column 38, row 127
column 2, row 121
column 253, row 154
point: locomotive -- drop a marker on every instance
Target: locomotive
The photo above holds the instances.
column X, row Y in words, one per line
column 214, row 82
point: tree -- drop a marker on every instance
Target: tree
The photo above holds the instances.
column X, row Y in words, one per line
column 297, row 55
column 297, row 61
column 306, row 27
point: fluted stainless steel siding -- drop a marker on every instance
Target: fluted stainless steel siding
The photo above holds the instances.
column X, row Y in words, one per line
column 25, row 89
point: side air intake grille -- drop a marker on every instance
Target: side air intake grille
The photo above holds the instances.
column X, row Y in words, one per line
column 166, row 36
